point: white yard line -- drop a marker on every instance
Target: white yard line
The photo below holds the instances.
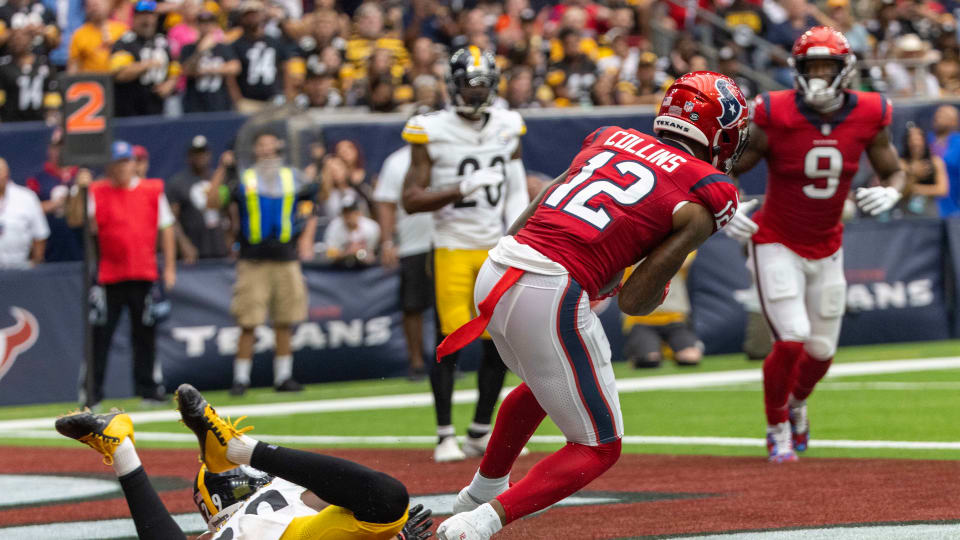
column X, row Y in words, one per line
column 374, row 440
column 639, row 384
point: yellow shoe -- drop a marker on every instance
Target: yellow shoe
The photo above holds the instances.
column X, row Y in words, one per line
column 211, row 430
column 102, row 432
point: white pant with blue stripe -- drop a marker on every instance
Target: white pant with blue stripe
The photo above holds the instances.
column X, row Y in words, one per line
column 547, row 335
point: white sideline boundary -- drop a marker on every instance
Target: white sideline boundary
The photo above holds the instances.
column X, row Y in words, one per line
column 398, row 401
column 376, row 440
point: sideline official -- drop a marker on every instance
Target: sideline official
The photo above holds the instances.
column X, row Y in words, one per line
column 126, row 212
column 277, row 225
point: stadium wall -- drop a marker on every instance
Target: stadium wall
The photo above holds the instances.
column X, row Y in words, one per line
column 900, row 275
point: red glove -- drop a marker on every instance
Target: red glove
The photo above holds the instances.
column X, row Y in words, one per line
column 666, row 291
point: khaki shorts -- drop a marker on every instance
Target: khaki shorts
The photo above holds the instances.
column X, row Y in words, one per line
column 269, row 287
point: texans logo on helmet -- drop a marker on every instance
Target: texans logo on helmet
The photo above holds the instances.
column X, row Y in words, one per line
column 731, row 105
column 16, row 339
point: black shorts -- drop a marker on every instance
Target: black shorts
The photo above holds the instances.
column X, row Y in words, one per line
column 416, row 283
column 644, row 340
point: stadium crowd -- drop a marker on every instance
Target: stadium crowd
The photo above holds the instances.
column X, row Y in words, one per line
column 194, row 55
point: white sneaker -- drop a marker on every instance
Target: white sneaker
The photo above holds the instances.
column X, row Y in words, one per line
column 459, row 527
column 476, row 447
column 465, row 502
column 448, row 450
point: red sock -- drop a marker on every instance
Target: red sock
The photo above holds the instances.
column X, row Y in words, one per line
column 809, row 372
column 558, row 476
column 778, row 375
column 519, row 415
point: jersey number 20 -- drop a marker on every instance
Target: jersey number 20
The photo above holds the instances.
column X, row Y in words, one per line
column 589, row 187
column 822, row 162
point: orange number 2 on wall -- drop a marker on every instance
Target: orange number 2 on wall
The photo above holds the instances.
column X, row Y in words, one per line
column 86, row 119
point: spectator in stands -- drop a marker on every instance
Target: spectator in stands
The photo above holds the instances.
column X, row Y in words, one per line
column 405, row 242
column 424, row 59
column 335, row 185
column 208, row 64
column 52, row 184
column 947, row 72
column 141, row 159
column 649, row 85
column 186, row 31
column 430, row 19
column 144, row 73
column 23, row 227
column 352, row 237
column 909, row 74
column 127, row 212
column 926, row 175
column 473, row 29
column 946, row 123
column 319, row 90
column 92, row 43
column 427, row 95
column 799, row 20
column 369, row 36
column 274, row 235
column 619, row 58
column 321, row 30
column 33, row 17
column 945, row 142
column 572, row 78
column 28, row 82
column 69, row 15
column 668, row 324
column 746, row 22
column 728, row 64
column 684, row 49
column 520, row 91
column 269, row 71
column 201, row 231
column 843, row 20
column 886, row 27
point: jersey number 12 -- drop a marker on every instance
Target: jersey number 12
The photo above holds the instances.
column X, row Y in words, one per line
column 589, row 187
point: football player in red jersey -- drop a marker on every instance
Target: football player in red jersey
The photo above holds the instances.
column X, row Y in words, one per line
column 626, row 196
column 812, row 138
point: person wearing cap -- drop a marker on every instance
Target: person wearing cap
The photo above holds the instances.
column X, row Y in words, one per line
column 200, row 229
column 270, row 70
column 352, row 238
column 23, row 229
column 141, row 157
column 28, row 81
column 52, row 184
column 143, row 71
column 207, row 63
column 319, row 90
column 648, row 86
column 276, row 210
column 126, row 213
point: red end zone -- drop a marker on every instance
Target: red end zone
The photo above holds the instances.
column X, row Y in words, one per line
column 643, row 494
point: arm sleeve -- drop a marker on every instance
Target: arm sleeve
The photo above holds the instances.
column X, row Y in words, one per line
column 164, row 214
column 415, row 132
column 719, row 194
column 390, row 183
column 518, row 198
column 761, row 110
column 38, row 220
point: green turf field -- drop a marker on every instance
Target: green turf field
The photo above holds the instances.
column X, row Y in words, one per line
column 903, row 406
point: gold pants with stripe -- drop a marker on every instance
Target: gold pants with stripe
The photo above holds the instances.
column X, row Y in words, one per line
column 455, row 273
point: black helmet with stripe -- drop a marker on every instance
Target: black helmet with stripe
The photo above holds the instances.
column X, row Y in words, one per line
column 219, row 496
column 472, row 80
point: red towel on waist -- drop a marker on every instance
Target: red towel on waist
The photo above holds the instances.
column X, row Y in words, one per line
column 475, row 327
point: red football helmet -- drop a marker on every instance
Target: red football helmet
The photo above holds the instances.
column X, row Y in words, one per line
column 822, row 43
column 707, row 108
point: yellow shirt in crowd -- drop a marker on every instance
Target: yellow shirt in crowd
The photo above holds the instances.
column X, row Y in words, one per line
column 90, row 50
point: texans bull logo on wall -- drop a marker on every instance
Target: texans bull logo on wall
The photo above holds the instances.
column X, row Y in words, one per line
column 17, row 339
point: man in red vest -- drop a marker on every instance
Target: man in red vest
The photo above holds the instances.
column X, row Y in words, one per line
column 126, row 212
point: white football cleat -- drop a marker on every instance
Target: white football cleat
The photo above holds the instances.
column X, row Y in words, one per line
column 465, row 502
column 448, row 450
column 476, row 447
column 459, row 527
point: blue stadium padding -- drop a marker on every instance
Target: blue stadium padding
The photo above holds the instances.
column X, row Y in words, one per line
column 953, row 268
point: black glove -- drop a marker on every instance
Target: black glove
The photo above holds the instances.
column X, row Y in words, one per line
column 417, row 526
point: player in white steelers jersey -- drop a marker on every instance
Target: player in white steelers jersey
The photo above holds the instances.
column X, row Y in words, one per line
column 466, row 168
column 250, row 490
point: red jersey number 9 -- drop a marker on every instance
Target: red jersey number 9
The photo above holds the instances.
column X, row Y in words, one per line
column 822, row 162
